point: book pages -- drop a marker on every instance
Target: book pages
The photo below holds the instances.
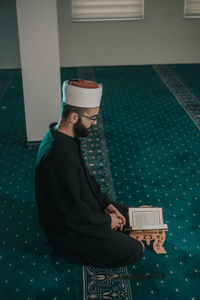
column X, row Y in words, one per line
column 146, row 218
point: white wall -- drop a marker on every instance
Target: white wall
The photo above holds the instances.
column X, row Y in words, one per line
column 164, row 36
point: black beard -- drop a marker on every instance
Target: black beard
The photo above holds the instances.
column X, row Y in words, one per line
column 80, row 130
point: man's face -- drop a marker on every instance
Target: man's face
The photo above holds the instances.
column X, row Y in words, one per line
column 84, row 124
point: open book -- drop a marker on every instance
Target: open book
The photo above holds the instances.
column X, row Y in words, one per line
column 146, row 218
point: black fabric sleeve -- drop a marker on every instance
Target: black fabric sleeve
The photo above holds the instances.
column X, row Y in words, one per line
column 64, row 188
column 103, row 198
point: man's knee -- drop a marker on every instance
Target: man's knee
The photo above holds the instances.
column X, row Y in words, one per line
column 137, row 249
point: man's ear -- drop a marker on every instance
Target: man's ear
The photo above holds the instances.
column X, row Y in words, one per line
column 73, row 117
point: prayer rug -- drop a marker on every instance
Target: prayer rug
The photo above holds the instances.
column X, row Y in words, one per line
column 153, row 148
column 148, row 151
column 145, row 151
column 96, row 155
column 189, row 75
column 29, row 268
column 182, row 93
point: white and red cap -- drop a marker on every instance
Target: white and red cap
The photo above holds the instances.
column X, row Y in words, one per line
column 82, row 93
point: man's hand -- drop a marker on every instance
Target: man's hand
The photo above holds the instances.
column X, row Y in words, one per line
column 115, row 222
column 119, row 220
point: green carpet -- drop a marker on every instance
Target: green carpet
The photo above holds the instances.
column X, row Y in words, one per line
column 147, row 153
column 189, row 74
column 154, row 154
column 29, row 269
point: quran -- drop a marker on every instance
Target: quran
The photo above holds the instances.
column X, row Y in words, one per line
column 146, row 218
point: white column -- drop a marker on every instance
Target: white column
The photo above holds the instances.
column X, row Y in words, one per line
column 39, row 51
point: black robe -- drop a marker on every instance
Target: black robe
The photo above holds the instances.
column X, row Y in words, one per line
column 71, row 206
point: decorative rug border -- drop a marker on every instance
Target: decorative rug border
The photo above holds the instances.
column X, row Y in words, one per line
column 96, row 155
column 184, row 96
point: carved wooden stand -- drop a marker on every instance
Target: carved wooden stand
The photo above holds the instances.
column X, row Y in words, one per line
column 158, row 236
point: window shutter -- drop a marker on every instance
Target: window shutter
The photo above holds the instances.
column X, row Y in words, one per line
column 192, row 9
column 94, row 10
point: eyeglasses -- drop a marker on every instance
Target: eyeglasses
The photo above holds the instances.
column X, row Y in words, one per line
column 92, row 118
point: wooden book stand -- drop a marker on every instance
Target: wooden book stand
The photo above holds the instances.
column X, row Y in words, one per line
column 158, row 236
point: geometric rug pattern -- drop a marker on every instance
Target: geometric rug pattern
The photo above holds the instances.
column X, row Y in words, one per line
column 96, row 285
column 145, row 150
column 187, row 100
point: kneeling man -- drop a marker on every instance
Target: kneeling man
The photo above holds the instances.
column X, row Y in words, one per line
column 76, row 216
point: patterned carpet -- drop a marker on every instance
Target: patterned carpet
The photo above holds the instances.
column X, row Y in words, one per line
column 145, row 150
